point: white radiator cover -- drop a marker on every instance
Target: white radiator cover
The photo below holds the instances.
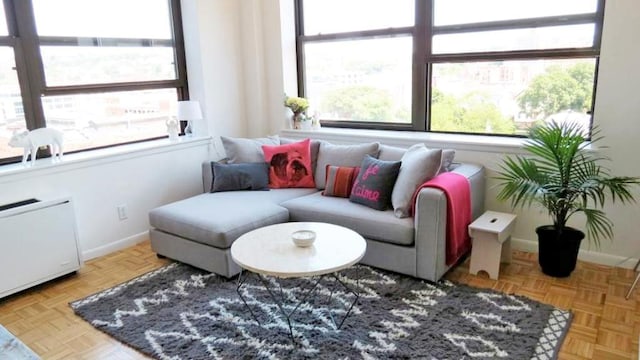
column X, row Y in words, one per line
column 38, row 242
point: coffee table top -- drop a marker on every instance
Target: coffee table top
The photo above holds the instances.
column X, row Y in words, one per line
column 270, row 250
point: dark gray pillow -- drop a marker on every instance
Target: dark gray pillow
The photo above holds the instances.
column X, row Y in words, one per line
column 247, row 176
column 374, row 183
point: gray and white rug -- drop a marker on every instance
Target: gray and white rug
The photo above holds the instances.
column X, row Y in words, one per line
column 179, row 312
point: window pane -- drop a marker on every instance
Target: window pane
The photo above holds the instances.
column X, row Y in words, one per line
column 4, row 31
column 79, row 65
column 507, row 97
column 94, row 120
column 554, row 37
column 363, row 80
column 447, row 12
column 142, row 19
column 11, row 110
column 331, row 16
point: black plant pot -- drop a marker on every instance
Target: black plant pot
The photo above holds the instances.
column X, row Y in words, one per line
column 558, row 251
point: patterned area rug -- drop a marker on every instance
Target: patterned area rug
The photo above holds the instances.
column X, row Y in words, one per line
column 179, row 312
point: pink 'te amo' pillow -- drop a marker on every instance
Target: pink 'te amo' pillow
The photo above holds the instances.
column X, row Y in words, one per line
column 289, row 165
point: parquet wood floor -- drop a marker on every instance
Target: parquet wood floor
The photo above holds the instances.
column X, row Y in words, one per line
column 605, row 325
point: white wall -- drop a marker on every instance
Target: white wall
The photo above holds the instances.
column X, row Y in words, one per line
column 215, row 64
column 617, row 113
column 142, row 181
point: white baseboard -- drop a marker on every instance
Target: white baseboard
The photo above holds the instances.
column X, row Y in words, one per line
column 115, row 246
column 584, row 255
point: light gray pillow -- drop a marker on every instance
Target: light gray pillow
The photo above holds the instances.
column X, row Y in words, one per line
column 447, row 160
column 419, row 164
column 391, row 153
column 243, row 150
column 341, row 155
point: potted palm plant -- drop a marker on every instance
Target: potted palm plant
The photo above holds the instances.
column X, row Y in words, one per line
column 560, row 175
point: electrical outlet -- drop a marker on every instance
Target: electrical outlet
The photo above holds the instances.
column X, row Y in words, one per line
column 122, row 212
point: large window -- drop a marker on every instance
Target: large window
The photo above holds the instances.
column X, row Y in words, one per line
column 498, row 67
column 103, row 72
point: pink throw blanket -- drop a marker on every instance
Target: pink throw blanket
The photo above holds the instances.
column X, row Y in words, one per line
column 457, row 190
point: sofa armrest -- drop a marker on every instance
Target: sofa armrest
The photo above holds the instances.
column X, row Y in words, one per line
column 430, row 222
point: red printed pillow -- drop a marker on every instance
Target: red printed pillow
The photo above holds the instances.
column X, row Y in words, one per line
column 289, row 165
column 339, row 180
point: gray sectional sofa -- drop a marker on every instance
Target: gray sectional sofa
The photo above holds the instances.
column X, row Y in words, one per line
column 200, row 230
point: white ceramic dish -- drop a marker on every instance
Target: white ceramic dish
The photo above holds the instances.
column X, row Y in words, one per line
column 303, row 238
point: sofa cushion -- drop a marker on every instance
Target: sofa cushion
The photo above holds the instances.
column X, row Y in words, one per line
column 289, row 165
column 341, row 155
column 242, row 176
column 374, row 183
column 340, row 180
column 217, row 219
column 418, row 165
column 314, row 147
column 242, row 150
column 447, row 160
column 393, row 153
column 370, row 223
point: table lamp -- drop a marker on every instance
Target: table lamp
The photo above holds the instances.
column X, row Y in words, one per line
column 189, row 111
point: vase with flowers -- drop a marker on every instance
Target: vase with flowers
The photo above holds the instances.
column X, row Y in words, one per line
column 298, row 106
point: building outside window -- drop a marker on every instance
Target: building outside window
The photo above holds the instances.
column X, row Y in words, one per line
column 498, row 67
column 103, row 72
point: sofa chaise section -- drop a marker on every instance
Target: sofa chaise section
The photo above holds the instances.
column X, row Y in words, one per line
column 200, row 230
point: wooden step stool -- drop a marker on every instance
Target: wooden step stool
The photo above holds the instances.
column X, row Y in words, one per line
column 491, row 237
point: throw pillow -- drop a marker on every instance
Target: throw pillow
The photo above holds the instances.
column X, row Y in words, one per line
column 341, row 155
column 339, row 180
column 418, row 165
column 242, row 150
column 374, row 183
column 447, row 160
column 391, row 153
column 315, row 148
column 289, row 165
column 247, row 176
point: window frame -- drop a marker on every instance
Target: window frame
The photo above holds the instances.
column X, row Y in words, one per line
column 423, row 60
column 23, row 37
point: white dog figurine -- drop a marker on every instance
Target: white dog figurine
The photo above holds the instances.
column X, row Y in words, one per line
column 32, row 140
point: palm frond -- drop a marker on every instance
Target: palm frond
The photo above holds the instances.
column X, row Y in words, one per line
column 565, row 177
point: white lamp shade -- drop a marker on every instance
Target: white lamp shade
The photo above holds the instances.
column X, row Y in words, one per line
column 189, row 110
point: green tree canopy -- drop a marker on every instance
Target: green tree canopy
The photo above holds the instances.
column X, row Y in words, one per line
column 473, row 113
column 559, row 89
column 365, row 103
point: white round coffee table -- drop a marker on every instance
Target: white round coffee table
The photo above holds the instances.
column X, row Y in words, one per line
column 270, row 251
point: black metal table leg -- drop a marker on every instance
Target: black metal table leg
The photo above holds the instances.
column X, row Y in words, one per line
column 281, row 302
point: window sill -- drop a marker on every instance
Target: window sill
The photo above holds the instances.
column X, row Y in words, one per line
column 13, row 172
column 496, row 144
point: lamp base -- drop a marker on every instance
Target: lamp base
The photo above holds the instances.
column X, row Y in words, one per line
column 188, row 130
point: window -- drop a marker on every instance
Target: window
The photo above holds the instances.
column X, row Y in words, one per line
column 496, row 68
column 103, row 72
